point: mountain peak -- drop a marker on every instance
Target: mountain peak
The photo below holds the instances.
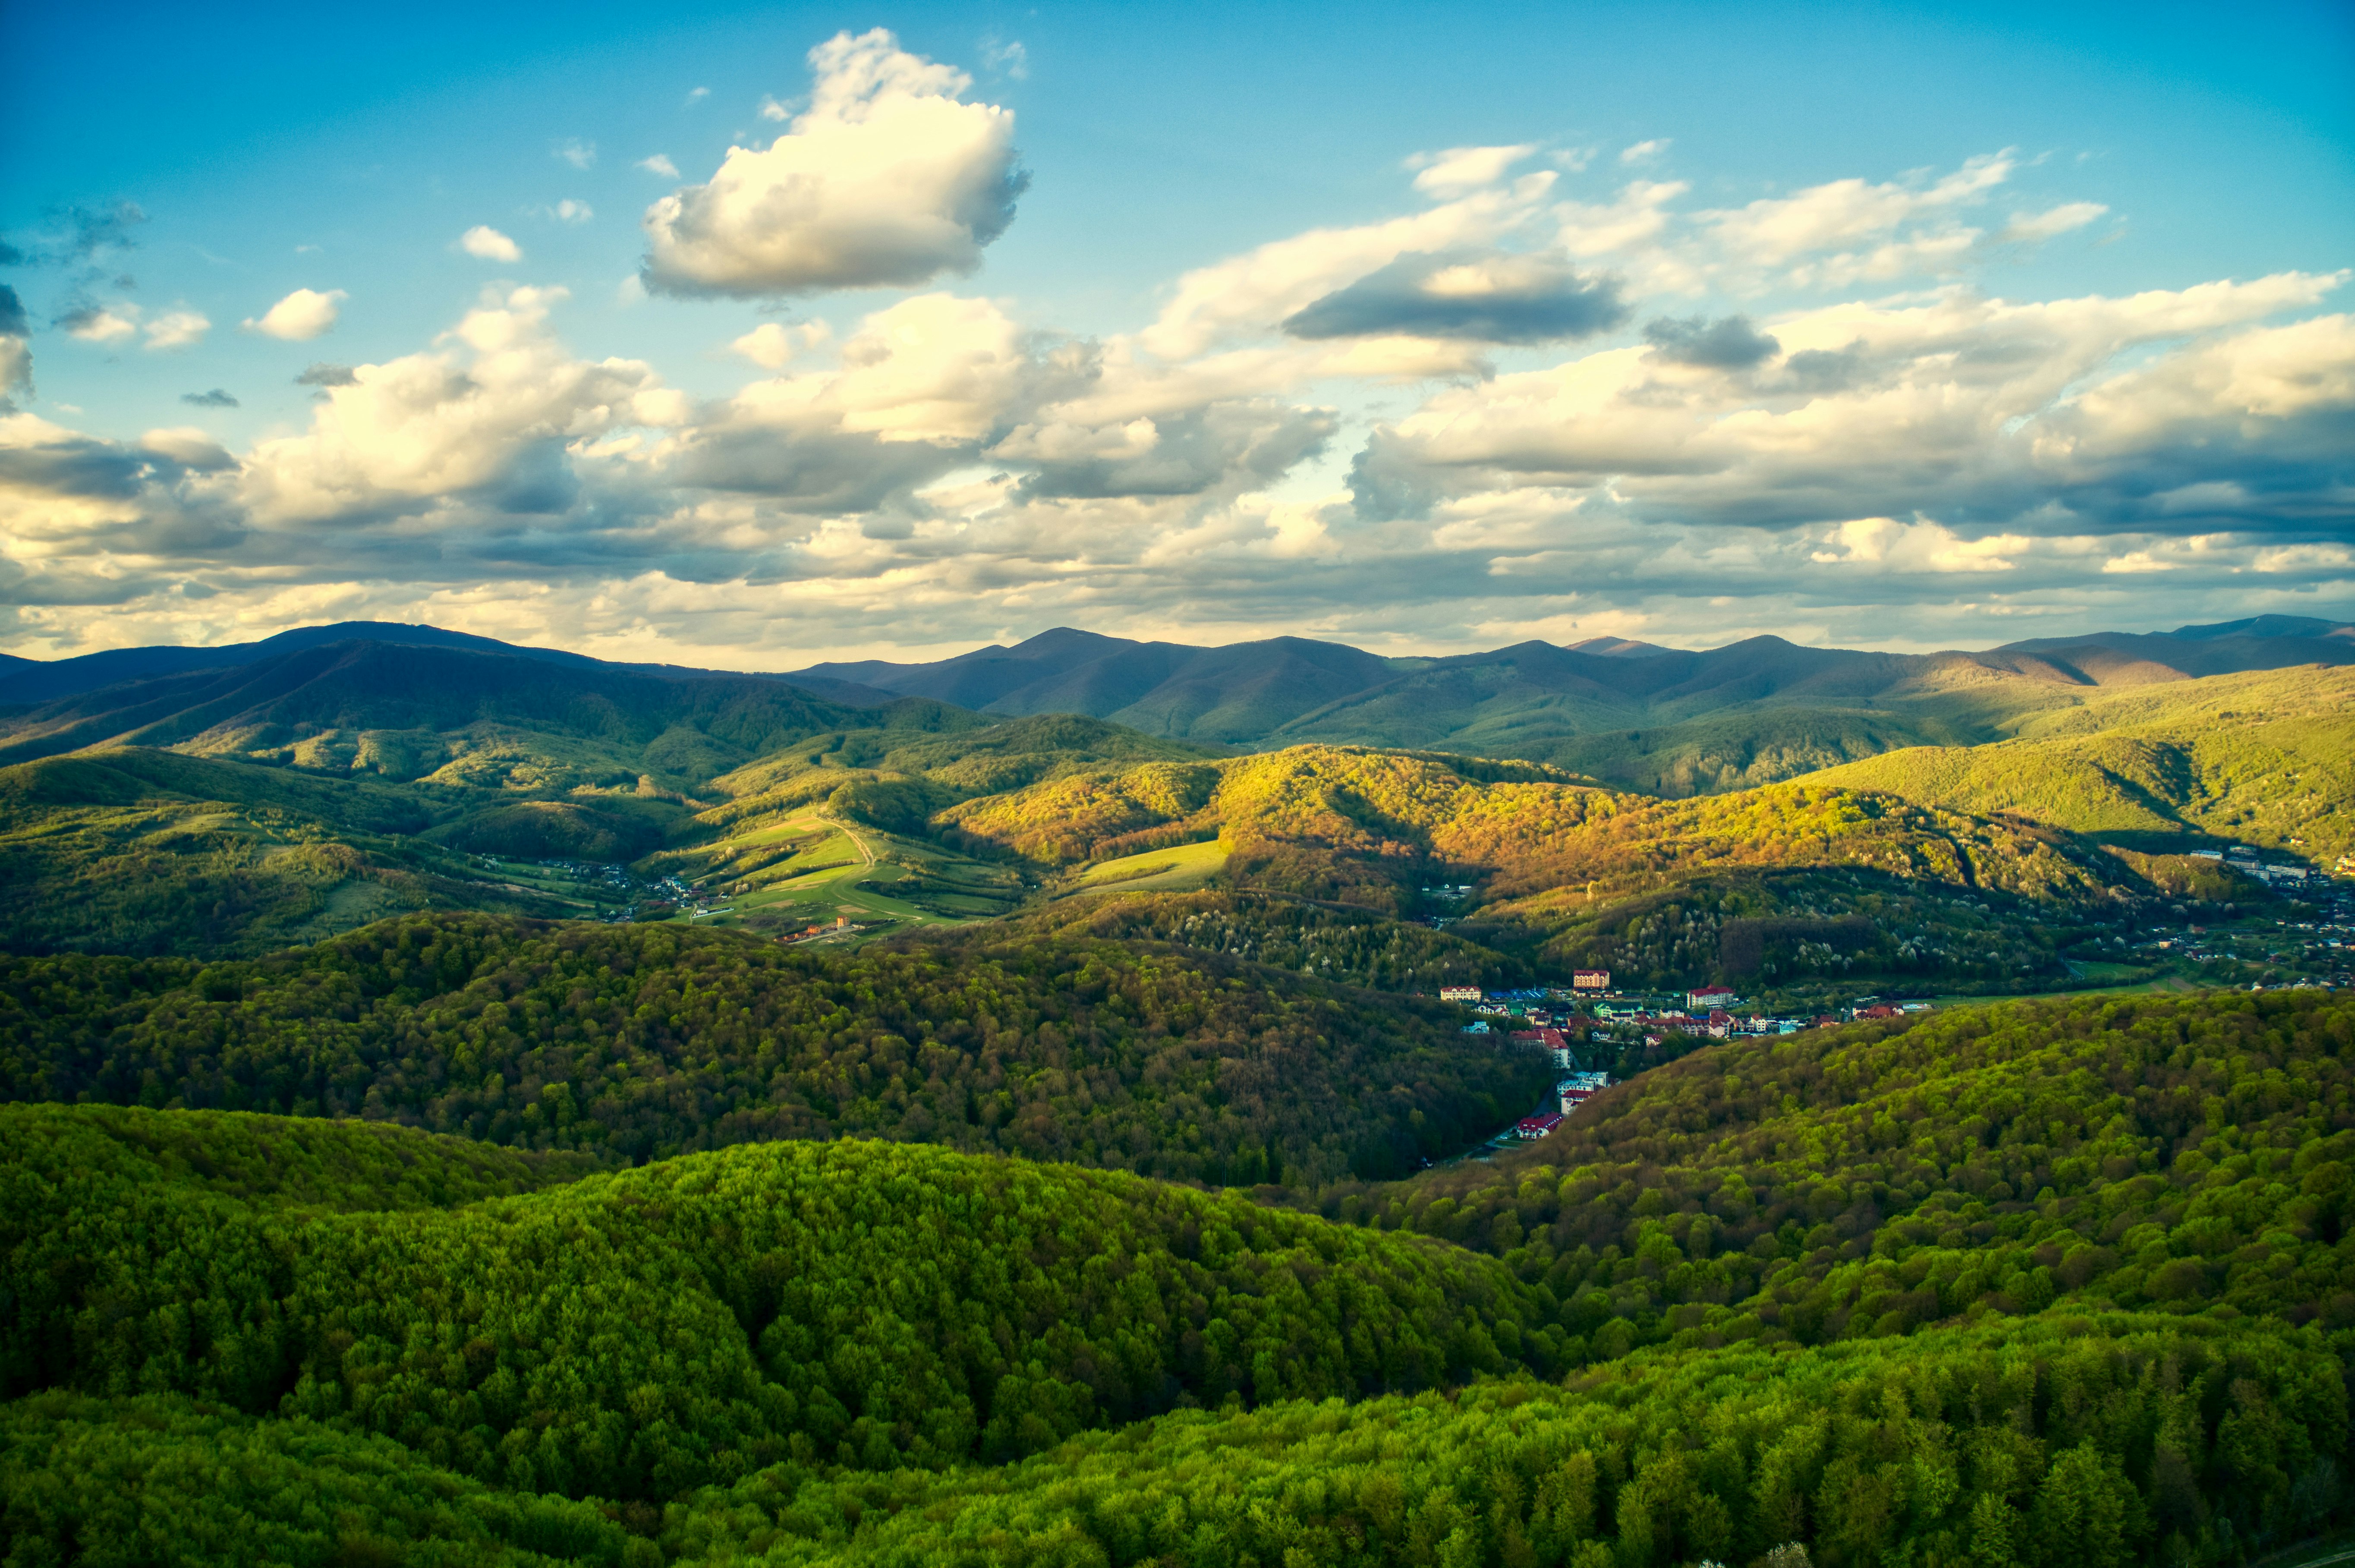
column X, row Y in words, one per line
column 2270, row 626
column 1617, row 648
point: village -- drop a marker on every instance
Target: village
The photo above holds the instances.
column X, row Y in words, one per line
column 1570, row 1023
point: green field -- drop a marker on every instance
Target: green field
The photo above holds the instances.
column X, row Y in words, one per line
column 1181, row 870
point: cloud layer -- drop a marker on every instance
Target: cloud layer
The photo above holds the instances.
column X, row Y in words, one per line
column 1534, row 400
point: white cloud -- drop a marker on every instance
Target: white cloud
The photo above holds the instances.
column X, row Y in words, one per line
column 108, row 323
column 1933, row 467
column 301, row 315
column 580, row 155
column 695, row 95
column 937, row 367
column 1959, row 407
column 570, row 211
column 1251, row 292
column 658, row 165
column 177, row 329
column 2039, row 226
column 490, row 416
column 1457, row 170
column 886, row 179
column 1631, row 222
column 1643, row 151
column 189, row 447
column 1842, row 212
column 488, row 243
column 773, row 344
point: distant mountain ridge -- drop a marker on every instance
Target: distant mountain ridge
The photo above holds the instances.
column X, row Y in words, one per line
column 1634, row 714
column 25, row 681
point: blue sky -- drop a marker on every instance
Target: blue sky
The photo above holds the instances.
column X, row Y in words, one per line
column 1861, row 324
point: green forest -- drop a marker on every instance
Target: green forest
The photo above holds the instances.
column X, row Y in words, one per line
column 635, row 1042
column 2044, row 1283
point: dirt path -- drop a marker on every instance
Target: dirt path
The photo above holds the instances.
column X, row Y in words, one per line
column 867, row 855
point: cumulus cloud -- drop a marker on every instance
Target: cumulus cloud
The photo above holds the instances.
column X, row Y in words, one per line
column 216, row 399
column 572, row 150
column 1642, row 152
column 1255, row 291
column 1730, row 342
column 658, row 165
column 1490, row 297
column 958, row 464
column 488, row 243
column 1972, row 410
column 102, row 324
column 488, row 417
column 176, row 329
column 300, row 317
column 1458, row 170
column 773, row 344
column 16, row 351
column 888, row 178
column 568, row 211
column 188, row 447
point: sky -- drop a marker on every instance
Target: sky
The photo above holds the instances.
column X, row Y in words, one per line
column 753, row 336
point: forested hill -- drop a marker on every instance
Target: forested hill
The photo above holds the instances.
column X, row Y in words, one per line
column 774, row 1353
column 2144, row 1153
column 633, row 1042
column 633, row 1337
column 2262, row 760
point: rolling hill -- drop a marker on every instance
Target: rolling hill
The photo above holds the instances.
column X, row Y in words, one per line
column 2266, row 759
column 2039, row 1287
column 631, row 1042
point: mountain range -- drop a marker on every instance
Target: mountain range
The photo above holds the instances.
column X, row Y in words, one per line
column 1635, row 715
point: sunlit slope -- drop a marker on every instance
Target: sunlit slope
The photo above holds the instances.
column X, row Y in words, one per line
column 2266, row 759
column 1783, row 883
column 149, row 851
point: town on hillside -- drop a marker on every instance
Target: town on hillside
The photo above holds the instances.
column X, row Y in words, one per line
column 1586, row 1024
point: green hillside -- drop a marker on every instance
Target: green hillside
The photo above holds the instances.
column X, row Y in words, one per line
column 637, row 1043
column 2031, row 1287
column 1793, row 884
column 2263, row 759
column 152, row 852
column 633, row 1336
column 2143, row 1154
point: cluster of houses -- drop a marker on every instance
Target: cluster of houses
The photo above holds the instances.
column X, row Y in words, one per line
column 1707, row 1010
column 2243, row 860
